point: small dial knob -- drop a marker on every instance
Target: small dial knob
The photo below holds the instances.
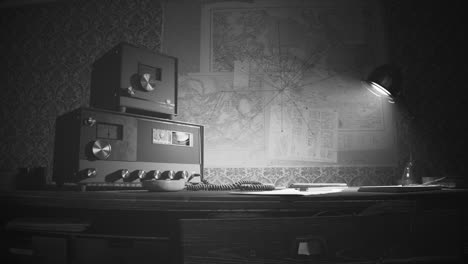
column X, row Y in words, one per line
column 87, row 173
column 91, row 172
column 130, row 91
column 153, row 174
column 167, row 175
column 124, row 173
column 101, row 149
column 134, row 175
column 141, row 174
column 90, row 121
column 181, row 175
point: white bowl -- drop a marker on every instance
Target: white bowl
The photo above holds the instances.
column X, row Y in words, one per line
column 164, row 185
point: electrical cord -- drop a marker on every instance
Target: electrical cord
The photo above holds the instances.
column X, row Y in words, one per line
column 242, row 185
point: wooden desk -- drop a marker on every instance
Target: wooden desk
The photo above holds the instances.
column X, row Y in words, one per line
column 219, row 227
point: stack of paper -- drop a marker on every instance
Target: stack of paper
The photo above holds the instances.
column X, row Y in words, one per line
column 294, row 191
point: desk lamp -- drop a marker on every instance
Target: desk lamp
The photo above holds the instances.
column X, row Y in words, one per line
column 385, row 81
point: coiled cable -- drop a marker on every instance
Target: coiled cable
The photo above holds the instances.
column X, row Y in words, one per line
column 242, row 185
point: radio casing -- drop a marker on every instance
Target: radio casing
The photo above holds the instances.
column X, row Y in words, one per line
column 134, row 143
column 116, row 81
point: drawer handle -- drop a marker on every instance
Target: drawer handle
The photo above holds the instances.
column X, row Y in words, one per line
column 310, row 247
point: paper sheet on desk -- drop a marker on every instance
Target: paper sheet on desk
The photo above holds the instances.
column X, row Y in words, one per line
column 292, row 191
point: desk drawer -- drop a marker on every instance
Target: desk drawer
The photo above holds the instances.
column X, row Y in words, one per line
column 343, row 239
column 34, row 249
column 119, row 250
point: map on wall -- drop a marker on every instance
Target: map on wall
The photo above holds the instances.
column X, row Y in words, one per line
column 276, row 82
column 233, row 119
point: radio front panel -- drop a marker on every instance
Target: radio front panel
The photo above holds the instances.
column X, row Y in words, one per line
column 127, row 172
column 168, row 142
column 99, row 146
column 119, row 131
column 156, row 77
column 134, row 79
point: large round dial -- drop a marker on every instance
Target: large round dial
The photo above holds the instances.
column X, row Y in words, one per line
column 101, row 149
column 147, row 82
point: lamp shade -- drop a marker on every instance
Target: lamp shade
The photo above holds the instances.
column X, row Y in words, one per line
column 385, row 81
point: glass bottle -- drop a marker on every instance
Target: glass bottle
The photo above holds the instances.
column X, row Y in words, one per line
column 408, row 176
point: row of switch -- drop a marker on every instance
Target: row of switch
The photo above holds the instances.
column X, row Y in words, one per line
column 141, row 175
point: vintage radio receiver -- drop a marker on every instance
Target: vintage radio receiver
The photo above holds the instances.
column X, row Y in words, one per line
column 104, row 148
column 134, row 79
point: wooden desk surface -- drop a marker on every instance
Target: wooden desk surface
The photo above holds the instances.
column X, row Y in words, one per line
column 212, row 200
column 216, row 226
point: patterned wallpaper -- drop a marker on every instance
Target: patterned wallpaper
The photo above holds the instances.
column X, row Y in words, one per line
column 46, row 68
column 353, row 176
column 46, row 53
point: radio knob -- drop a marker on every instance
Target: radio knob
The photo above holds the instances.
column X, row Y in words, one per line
column 101, row 149
column 130, row 91
column 86, row 173
column 124, row 173
column 90, row 121
column 147, row 83
column 141, row 174
column 167, row 175
column 91, row 172
column 181, row 175
column 154, row 174
column 131, row 176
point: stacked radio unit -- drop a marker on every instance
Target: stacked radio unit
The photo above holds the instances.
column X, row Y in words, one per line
column 128, row 134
